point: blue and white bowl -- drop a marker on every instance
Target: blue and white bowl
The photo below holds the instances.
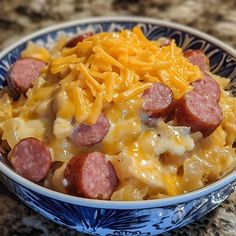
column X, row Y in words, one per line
column 149, row 217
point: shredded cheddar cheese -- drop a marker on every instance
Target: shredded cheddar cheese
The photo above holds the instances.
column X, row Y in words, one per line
column 118, row 67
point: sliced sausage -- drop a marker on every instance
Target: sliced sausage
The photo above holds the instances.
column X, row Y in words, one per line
column 86, row 135
column 14, row 91
column 171, row 114
column 199, row 113
column 157, row 100
column 91, row 175
column 31, row 159
column 207, row 87
column 198, row 58
column 77, row 39
column 23, row 73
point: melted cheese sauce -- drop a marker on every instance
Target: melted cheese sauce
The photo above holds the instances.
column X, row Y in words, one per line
column 134, row 149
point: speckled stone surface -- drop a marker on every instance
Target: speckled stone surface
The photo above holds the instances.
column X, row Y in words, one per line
column 18, row 18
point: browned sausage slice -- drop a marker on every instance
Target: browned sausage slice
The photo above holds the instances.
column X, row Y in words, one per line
column 31, row 159
column 86, row 135
column 207, row 87
column 198, row 58
column 91, row 175
column 23, row 73
column 199, row 113
column 157, row 100
column 74, row 41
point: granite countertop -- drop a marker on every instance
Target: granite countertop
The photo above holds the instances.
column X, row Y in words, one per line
column 18, row 18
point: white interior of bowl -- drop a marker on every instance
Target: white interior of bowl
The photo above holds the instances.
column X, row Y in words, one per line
column 121, row 204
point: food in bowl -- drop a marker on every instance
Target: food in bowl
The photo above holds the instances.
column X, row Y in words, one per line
column 117, row 116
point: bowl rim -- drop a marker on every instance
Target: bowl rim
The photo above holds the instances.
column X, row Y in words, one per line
column 144, row 204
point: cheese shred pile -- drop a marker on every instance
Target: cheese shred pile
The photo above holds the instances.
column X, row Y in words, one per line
column 115, row 67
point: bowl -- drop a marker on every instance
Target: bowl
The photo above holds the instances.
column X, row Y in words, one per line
column 150, row 217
